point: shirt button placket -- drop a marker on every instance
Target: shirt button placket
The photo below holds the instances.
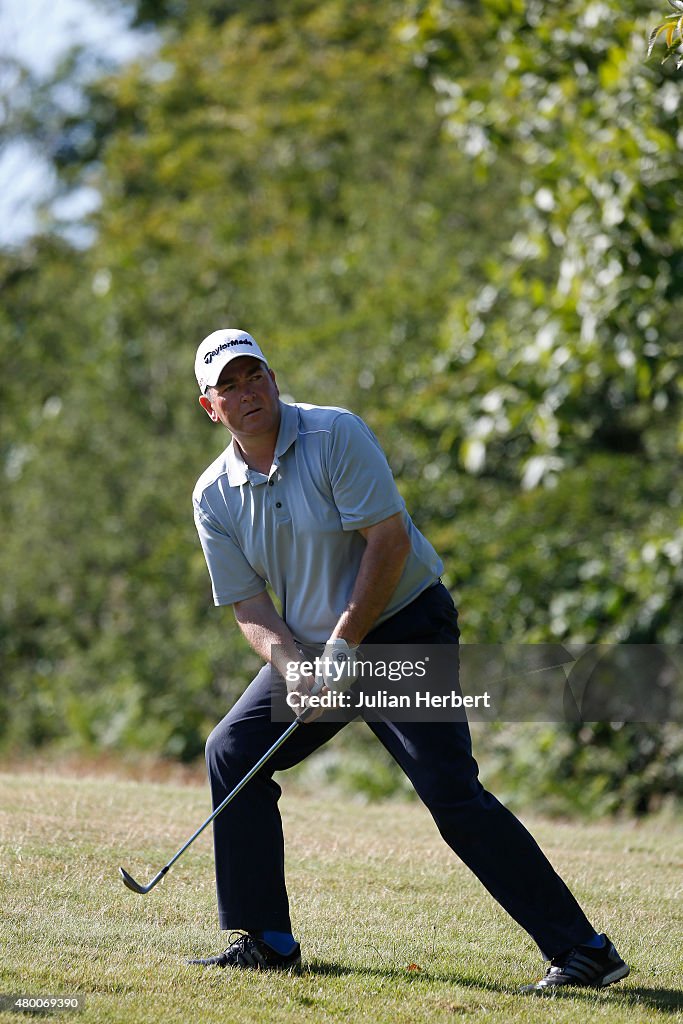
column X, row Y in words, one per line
column 271, row 483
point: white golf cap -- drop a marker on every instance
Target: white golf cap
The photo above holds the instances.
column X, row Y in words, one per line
column 218, row 349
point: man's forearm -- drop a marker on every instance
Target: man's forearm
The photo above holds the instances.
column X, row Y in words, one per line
column 380, row 570
column 266, row 632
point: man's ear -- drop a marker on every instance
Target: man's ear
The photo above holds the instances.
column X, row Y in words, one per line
column 208, row 408
column 272, row 376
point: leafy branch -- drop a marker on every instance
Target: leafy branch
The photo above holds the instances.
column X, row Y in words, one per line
column 673, row 27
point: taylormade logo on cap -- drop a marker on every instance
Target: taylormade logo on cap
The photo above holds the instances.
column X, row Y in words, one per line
column 218, row 349
column 208, row 356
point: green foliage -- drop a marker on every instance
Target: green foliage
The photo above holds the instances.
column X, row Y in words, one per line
column 595, row 768
column 571, row 341
column 462, row 221
column 670, row 27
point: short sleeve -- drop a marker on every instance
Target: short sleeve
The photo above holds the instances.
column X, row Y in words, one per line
column 363, row 486
column 232, row 577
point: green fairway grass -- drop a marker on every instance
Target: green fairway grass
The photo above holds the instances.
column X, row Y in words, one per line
column 393, row 927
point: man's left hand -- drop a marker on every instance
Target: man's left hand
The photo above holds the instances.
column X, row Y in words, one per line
column 336, row 667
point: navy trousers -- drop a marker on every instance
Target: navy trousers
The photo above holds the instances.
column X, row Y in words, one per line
column 436, row 757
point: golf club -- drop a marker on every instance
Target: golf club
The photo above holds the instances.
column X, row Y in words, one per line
column 134, row 886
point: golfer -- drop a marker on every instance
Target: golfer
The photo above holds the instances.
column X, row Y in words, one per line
column 303, row 501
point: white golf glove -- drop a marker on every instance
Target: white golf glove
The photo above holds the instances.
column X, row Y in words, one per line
column 336, row 667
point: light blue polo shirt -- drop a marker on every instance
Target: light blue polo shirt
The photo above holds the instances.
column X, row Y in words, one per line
column 297, row 527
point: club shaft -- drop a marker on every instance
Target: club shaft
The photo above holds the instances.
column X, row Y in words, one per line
column 233, row 793
column 130, row 882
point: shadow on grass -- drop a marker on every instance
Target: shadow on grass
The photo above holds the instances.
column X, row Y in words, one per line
column 663, row 999
column 668, row 1000
column 414, row 977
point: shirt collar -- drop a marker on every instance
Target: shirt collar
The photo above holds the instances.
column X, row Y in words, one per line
column 289, row 428
column 238, row 471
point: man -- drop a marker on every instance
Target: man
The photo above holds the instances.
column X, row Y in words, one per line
column 303, row 500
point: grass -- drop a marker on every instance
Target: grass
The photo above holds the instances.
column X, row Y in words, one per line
column 374, row 890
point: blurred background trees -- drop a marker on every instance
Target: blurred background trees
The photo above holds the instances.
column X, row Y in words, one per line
column 465, row 222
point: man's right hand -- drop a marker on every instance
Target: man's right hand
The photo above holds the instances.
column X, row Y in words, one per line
column 306, row 686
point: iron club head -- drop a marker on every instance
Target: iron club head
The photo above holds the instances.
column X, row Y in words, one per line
column 131, row 884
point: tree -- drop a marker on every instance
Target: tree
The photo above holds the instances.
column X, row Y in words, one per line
column 251, row 174
column 572, row 341
column 461, row 221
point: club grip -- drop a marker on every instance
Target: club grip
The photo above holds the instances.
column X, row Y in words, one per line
column 317, row 687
